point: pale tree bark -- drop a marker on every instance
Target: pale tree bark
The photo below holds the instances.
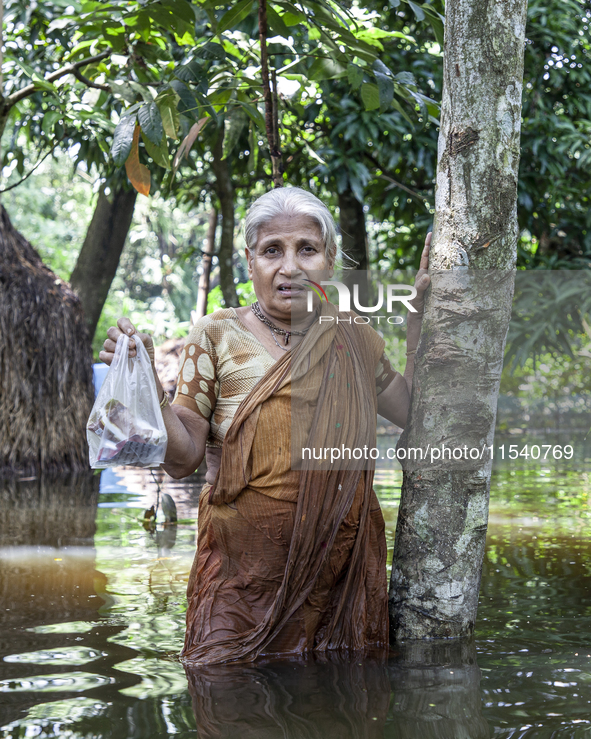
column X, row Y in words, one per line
column 442, row 522
column 203, row 292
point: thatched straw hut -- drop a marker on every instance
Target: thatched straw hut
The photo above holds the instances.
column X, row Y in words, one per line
column 46, row 389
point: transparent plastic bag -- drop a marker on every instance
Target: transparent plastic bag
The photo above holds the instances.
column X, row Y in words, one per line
column 126, row 425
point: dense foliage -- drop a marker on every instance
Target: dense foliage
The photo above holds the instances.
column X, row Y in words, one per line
column 150, row 90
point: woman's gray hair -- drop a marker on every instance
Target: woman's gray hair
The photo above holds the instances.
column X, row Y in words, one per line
column 291, row 201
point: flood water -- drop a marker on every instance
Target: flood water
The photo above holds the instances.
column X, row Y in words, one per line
column 92, row 620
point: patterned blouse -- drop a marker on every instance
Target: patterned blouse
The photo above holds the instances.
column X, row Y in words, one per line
column 222, row 362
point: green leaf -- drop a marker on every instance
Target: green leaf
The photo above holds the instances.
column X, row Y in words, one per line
column 234, row 16
column 232, row 129
column 187, row 103
column 276, row 25
column 438, row 30
column 43, row 84
column 254, row 150
column 191, row 72
column 325, row 69
column 210, row 52
column 123, row 139
column 182, row 8
column 252, row 112
column 220, row 97
column 395, row 104
column 380, row 68
column 291, row 19
column 354, row 75
column 289, row 8
column 49, row 119
column 167, row 102
column 158, row 153
column 370, row 95
column 406, row 78
column 385, row 90
column 417, row 10
column 151, row 122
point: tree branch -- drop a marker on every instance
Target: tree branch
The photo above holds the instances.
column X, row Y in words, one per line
column 19, row 95
column 89, row 83
column 388, row 177
column 268, row 97
column 26, row 177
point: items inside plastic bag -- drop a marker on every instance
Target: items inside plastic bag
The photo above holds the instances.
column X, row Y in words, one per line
column 126, row 425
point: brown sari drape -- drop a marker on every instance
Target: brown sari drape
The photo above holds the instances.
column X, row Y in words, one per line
column 288, row 560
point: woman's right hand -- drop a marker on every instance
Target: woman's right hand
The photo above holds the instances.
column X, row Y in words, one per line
column 125, row 326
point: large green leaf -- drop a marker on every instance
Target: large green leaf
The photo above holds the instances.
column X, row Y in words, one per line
column 354, row 75
column 158, row 153
column 123, row 139
column 151, row 122
column 417, row 10
column 232, row 129
column 276, row 24
column 385, row 90
column 210, row 52
column 167, row 102
column 187, row 103
column 370, row 95
column 190, row 72
column 326, row 69
column 234, row 16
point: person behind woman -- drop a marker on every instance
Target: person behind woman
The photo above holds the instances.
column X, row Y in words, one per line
column 288, row 560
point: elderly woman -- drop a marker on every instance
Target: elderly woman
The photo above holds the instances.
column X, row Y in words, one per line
column 290, row 559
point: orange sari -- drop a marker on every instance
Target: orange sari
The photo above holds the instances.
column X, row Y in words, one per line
column 291, row 561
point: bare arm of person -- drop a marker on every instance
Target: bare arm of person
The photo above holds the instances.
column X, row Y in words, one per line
column 187, row 431
column 394, row 401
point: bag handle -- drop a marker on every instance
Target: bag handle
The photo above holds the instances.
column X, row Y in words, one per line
column 121, row 350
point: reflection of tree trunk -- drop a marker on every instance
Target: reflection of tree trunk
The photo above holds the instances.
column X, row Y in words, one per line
column 354, row 241
column 46, row 389
column 225, row 192
column 442, row 522
column 201, row 308
column 436, row 692
column 99, row 257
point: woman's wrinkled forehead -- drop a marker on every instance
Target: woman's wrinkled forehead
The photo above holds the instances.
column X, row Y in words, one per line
column 291, row 202
column 290, row 227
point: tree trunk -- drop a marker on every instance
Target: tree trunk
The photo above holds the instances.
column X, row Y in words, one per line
column 352, row 225
column 225, row 192
column 442, row 522
column 201, row 308
column 46, row 388
column 354, row 242
column 99, row 257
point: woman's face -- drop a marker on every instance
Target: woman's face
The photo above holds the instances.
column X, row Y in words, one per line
column 287, row 249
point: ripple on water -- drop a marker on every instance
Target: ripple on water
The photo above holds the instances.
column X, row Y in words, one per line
column 64, row 682
column 70, row 656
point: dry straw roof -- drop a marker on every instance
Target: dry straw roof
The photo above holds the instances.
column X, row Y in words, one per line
column 46, row 389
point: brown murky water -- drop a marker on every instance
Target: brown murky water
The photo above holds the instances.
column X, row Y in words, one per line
column 92, row 619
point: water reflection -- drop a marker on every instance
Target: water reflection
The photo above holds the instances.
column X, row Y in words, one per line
column 48, row 580
column 323, row 697
column 92, row 610
column 426, row 691
column 436, row 692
